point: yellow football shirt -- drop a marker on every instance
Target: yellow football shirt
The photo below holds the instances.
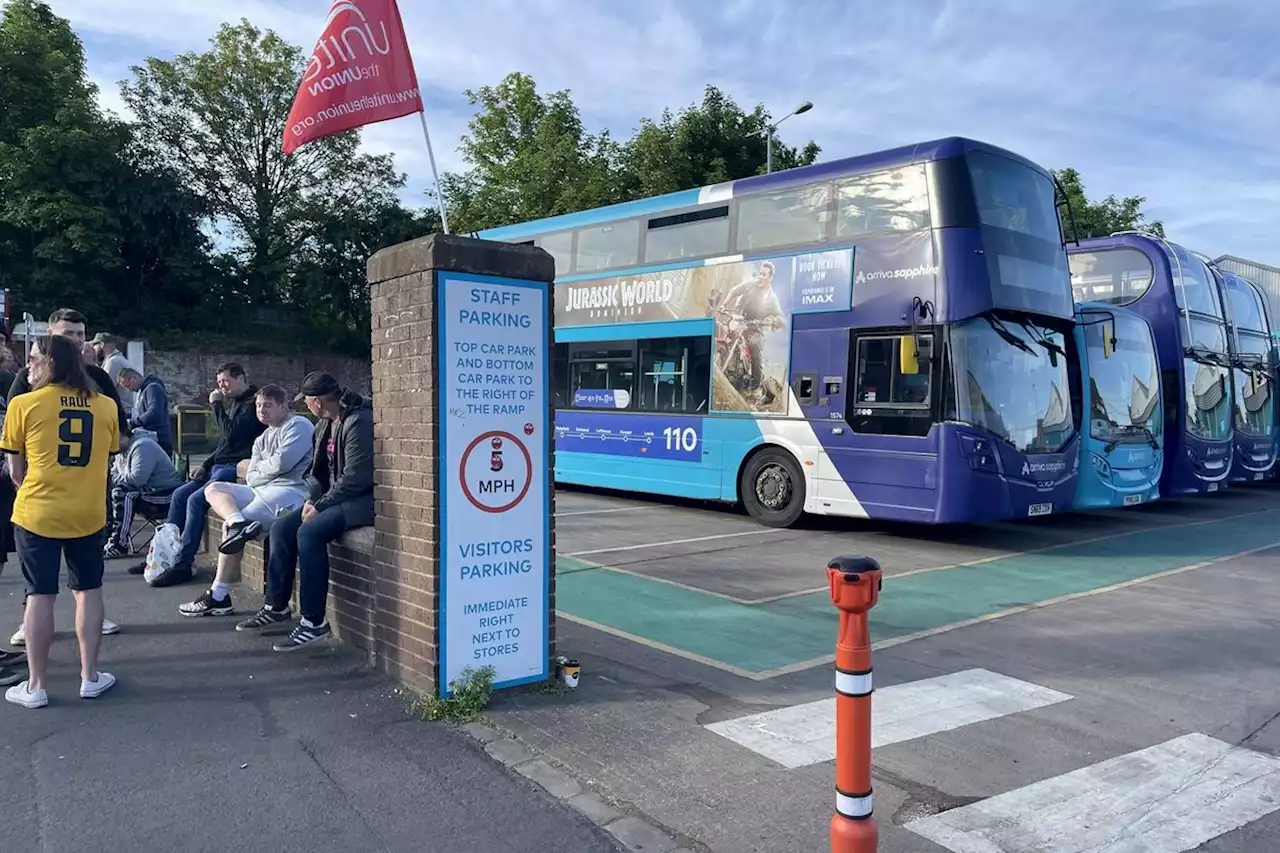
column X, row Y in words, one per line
column 67, row 439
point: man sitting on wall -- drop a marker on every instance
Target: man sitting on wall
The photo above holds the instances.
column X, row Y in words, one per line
column 341, row 497
column 235, row 410
column 276, row 485
column 150, row 406
column 142, row 471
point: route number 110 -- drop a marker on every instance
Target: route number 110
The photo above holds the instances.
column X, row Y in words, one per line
column 681, row 439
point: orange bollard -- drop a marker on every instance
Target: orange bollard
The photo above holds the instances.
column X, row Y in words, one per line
column 855, row 588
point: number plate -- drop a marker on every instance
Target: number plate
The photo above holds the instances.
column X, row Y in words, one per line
column 1040, row 509
column 1213, row 487
column 1257, row 475
column 1130, row 500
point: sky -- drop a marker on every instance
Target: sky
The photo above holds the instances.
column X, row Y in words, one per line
column 1175, row 100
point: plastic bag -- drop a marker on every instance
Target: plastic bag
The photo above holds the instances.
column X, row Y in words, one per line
column 166, row 545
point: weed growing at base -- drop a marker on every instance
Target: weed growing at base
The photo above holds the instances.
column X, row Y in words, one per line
column 469, row 695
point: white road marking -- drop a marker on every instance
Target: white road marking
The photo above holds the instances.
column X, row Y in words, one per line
column 1168, row 798
column 806, row 734
column 636, row 508
column 676, row 542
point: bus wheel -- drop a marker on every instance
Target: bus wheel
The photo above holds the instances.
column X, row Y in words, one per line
column 772, row 488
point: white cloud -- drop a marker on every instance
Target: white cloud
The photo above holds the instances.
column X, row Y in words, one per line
column 1171, row 99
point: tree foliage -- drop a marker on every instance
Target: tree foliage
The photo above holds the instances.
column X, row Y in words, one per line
column 216, row 119
column 1101, row 218
column 530, row 156
column 82, row 222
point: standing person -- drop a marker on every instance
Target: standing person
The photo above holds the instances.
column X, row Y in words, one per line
column 60, row 438
column 8, row 492
column 341, row 497
column 70, row 323
column 274, row 485
column 107, row 350
column 150, row 406
column 235, row 410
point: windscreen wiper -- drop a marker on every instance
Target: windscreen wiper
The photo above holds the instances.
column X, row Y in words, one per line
column 1006, row 335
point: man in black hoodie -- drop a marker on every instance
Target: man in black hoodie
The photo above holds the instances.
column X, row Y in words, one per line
column 235, row 410
column 341, row 484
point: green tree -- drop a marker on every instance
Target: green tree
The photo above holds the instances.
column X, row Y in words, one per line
column 1100, row 218
column 79, row 221
column 705, row 144
column 328, row 274
column 216, row 121
column 528, row 156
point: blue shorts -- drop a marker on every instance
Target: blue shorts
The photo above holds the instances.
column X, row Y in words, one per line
column 42, row 557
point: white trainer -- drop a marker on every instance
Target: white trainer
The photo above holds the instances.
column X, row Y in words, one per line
column 20, row 694
column 19, row 637
column 109, row 627
column 93, row 689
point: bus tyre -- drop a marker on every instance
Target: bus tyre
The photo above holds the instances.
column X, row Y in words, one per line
column 772, row 488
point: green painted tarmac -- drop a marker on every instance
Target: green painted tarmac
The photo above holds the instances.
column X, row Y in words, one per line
column 759, row 638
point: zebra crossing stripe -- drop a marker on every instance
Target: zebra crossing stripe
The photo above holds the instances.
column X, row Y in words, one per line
column 1170, row 798
column 805, row 734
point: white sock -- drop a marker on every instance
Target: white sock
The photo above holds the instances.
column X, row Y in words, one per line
column 220, row 590
column 310, row 624
column 234, row 518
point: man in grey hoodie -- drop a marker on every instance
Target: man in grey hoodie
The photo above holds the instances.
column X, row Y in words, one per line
column 275, row 484
column 141, row 471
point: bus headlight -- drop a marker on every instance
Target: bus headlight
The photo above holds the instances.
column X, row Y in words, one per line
column 1101, row 465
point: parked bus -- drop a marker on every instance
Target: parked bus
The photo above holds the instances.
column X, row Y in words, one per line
column 881, row 336
column 1177, row 295
column 1253, row 366
column 1122, row 448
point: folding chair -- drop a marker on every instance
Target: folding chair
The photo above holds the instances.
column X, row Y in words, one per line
column 152, row 510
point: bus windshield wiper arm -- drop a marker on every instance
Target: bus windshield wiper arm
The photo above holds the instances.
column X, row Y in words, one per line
column 1006, row 335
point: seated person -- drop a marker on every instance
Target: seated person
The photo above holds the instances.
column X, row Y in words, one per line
column 150, row 405
column 141, row 470
column 341, row 497
column 275, row 484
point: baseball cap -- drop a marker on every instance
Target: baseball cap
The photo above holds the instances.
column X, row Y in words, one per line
column 104, row 338
column 318, row 384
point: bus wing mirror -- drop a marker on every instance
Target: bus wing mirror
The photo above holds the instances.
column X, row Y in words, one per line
column 908, row 364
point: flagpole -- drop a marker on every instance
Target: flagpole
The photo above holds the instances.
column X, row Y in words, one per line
column 435, row 175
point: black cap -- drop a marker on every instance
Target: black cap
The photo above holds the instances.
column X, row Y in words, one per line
column 318, row 384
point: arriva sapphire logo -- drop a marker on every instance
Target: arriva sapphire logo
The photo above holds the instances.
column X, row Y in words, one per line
column 1055, row 467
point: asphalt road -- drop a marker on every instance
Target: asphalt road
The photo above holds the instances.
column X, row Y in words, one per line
column 212, row 742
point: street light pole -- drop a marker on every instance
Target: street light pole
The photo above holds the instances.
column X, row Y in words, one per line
column 772, row 128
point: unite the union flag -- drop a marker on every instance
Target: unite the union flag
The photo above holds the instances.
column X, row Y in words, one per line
column 360, row 73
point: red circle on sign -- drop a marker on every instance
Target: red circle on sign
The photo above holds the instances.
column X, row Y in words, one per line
column 497, row 435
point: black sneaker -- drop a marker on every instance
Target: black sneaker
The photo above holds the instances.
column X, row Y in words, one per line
column 8, row 658
column 207, row 605
column 8, row 677
column 237, row 535
column 303, row 635
column 137, row 569
column 113, row 551
column 173, row 577
column 265, row 618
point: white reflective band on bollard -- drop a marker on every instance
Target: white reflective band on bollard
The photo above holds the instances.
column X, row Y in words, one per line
column 853, row 685
column 854, row 808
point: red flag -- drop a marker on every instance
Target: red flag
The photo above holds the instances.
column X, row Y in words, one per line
column 360, row 73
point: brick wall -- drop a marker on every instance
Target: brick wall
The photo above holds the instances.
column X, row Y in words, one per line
column 385, row 584
column 189, row 375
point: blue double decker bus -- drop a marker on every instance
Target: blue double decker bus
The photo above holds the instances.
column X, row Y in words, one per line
column 1253, row 366
column 1176, row 293
column 1121, row 403
column 882, row 336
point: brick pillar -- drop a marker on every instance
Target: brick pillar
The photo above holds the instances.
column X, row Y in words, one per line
column 411, row 484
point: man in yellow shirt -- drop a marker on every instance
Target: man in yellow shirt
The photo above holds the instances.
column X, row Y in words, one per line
column 60, row 438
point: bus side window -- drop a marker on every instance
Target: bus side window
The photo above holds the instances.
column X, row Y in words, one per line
column 892, row 388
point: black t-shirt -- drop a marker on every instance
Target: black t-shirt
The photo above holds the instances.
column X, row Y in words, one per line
column 21, row 385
